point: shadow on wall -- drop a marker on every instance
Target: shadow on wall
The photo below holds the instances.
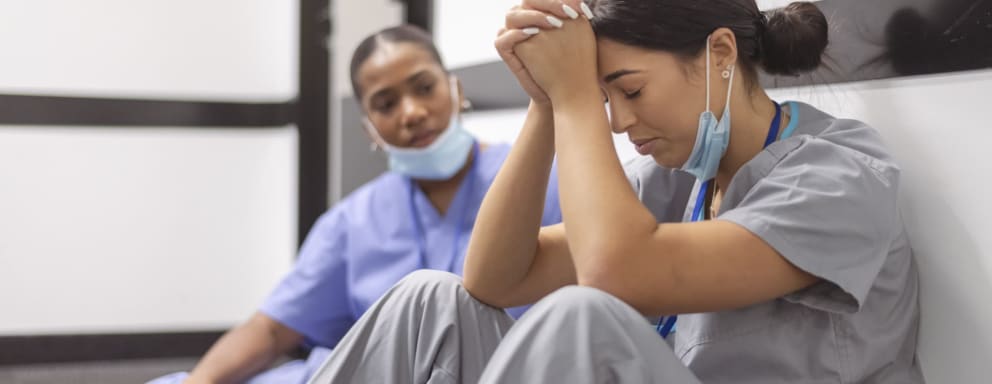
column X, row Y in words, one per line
column 880, row 39
column 958, row 36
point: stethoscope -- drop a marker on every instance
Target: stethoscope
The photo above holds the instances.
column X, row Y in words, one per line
column 418, row 229
column 667, row 323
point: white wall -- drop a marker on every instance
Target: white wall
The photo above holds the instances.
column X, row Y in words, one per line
column 186, row 49
column 145, row 229
column 110, row 230
column 465, row 30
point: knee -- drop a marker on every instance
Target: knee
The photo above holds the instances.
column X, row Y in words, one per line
column 174, row 378
column 576, row 299
column 428, row 280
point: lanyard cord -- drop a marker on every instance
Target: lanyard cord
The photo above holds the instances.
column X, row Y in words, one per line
column 667, row 323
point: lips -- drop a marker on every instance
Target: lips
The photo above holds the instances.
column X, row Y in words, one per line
column 644, row 146
column 423, row 139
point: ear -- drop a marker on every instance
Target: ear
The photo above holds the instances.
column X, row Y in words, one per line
column 463, row 103
column 723, row 48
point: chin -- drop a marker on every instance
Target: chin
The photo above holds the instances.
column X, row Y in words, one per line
column 666, row 161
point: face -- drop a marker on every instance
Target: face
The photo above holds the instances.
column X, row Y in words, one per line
column 654, row 97
column 405, row 94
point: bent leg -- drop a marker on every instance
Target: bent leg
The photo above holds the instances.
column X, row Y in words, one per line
column 581, row 335
column 426, row 329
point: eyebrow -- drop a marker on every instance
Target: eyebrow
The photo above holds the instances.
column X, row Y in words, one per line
column 411, row 79
column 618, row 74
column 417, row 76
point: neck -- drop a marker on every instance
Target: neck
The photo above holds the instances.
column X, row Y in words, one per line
column 751, row 116
column 442, row 192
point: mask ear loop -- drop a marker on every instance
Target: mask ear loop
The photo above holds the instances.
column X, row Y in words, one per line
column 457, row 105
column 730, row 87
column 374, row 146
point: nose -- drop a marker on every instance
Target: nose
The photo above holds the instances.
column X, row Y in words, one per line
column 413, row 112
column 621, row 119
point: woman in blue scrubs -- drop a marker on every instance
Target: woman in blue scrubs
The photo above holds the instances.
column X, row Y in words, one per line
column 416, row 216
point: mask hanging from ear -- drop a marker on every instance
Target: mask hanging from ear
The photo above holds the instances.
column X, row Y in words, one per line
column 712, row 136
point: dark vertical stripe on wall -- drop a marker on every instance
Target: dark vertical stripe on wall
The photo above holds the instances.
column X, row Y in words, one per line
column 420, row 13
column 313, row 114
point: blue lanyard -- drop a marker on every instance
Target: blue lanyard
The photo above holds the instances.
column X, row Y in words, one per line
column 421, row 236
column 667, row 323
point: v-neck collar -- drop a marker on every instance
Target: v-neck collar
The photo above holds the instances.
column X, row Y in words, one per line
column 429, row 214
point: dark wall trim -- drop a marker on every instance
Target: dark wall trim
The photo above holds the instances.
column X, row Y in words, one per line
column 19, row 350
column 314, row 112
column 89, row 111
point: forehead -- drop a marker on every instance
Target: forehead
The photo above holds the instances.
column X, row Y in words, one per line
column 392, row 63
column 614, row 56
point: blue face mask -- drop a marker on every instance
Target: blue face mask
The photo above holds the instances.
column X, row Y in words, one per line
column 438, row 161
column 712, row 136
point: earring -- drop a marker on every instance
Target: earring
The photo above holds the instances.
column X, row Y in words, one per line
column 726, row 72
column 466, row 105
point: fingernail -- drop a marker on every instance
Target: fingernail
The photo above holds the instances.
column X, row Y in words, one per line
column 555, row 22
column 587, row 11
column 531, row 31
column 570, row 12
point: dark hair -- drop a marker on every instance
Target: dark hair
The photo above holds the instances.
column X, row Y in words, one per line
column 784, row 41
column 399, row 34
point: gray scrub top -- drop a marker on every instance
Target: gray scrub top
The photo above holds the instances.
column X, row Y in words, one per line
column 825, row 199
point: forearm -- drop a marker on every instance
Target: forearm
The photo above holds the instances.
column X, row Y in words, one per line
column 600, row 209
column 242, row 352
column 504, row 239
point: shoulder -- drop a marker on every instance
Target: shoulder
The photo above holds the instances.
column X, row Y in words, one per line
column 854, row 136
column 833, row 144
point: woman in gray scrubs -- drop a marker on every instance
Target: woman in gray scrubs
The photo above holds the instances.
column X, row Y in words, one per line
column 770, row 230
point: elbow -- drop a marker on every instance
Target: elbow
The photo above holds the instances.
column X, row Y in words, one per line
column 602, row 267
column 474, row 287
column 486, row 295
column 618, row 273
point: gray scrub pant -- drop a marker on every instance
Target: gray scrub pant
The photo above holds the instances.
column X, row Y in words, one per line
column 428, row 329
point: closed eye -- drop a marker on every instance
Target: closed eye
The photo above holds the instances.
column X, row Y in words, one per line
column 632, row 95
column 425, row 89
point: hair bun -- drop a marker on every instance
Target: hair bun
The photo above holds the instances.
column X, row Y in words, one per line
column 794, row 39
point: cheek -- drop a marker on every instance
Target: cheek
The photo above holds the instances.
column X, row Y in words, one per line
column 676, row 126
column 388, row 128
column 438, row 107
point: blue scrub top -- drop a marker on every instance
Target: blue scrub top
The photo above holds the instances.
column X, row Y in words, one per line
column 367, row 242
